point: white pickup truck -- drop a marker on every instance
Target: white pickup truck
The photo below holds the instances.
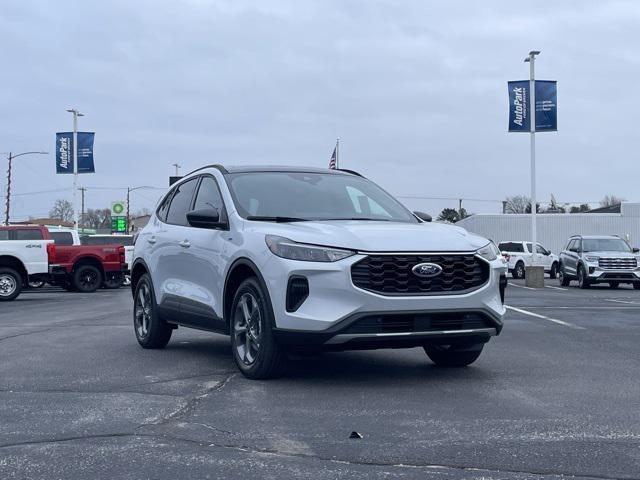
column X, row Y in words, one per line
column 518, row 256
column 24, row 257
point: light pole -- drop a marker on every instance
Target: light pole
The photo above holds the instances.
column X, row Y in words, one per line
column 178, row 167
column 129, row 190
column 76, row 114
column 11, row 157
column 531, row 59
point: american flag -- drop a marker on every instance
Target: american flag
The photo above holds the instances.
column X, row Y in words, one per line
column 332, row 161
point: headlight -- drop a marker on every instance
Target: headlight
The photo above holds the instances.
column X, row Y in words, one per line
column 590, row 258
column 285, row 248
column 489, row 252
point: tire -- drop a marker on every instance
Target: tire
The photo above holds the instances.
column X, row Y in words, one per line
column 113, row 280
column 255, row 350
column 553, row 273
column 87, row 279
column 583, row 281
column 614, row 284
column 10, row 284
column 452, row 356
column 563, row 280
column 151, row 330
column 518, row 271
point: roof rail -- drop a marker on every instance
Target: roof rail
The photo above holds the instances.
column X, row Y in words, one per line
column 215, row 165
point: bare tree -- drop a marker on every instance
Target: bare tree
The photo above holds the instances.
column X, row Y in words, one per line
column 584, row 207
column 610, row 200
column 97, row 218
column 517, row 204
column 62, row 210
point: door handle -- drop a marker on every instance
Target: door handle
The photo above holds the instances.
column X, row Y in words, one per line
column 185, row 244
column 151, row 240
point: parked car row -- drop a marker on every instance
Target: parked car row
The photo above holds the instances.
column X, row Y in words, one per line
column 33, row 255
column 587, row 259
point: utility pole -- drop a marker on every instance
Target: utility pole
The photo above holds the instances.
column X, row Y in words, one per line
column 82, row 189
column 76, row 114
column 531, row 59
column 460, row 208
column 128, row 216
column 6, row 212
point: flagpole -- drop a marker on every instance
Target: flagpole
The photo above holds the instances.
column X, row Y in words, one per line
column 337, row 154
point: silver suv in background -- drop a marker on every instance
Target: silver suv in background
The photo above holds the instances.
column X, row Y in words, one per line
column 285, row 258
column 592, row 259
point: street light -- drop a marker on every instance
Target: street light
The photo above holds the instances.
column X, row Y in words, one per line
column 129, row 190
column 11, row 157
column 76, row 114
column 531, row 60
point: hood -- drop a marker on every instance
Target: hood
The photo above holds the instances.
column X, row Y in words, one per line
column 372, row 236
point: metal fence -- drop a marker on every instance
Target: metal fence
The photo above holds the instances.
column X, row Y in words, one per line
column 555, row 228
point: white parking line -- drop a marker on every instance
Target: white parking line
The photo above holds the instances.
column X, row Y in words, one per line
column 621, row 301
column 556, row 288
column 521, row 286
column 544, row 317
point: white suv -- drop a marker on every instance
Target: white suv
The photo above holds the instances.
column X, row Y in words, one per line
column 518, row 256
column 289, row 258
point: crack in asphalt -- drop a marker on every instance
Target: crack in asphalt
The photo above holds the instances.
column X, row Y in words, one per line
column 276, row 453
column 190, row 405
column 24, row 334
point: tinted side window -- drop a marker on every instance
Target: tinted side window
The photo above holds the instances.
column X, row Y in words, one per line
column 209, row 195
column 4, row 234
column 28, row 234
column 541, row 250
column 572, row 244
column 62, row 238
column 181, row 203
column 164, row 207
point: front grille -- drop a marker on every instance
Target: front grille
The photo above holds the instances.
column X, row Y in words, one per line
column 618, row 276
column 617, row 263
column 418, row 322
column 392, row 274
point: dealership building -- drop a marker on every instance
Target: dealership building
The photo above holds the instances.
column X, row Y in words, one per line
column 555, row 228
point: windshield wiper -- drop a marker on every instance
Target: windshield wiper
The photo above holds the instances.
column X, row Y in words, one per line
column 259, row 218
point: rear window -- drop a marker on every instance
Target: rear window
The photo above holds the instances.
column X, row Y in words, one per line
column 28, row 234
column 62, row 238
column 511, row 247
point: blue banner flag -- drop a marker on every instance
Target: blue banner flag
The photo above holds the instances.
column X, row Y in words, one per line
column 64, row 152
column 85, row 152
column 546, row 106
column 519, row 120
column 520, row 108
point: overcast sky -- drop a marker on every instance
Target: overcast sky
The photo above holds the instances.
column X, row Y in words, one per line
column 416, row 91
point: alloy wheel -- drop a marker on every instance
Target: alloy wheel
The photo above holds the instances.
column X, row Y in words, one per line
column 247, row 328
column 143, row 311
column 8, row 285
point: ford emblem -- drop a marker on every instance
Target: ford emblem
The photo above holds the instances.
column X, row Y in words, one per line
column 426, row 270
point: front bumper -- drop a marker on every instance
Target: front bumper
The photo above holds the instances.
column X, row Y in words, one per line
column 334, row 304
column 598, row 274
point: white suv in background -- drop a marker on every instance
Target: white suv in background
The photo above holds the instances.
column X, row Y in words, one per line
column 289, row 258
column 518, row 255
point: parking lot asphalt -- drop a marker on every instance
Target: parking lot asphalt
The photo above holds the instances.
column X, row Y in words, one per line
column 556, row 394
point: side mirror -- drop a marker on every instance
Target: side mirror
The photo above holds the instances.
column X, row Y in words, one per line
column 206, row 218
column 425, row 217
column 636, row 250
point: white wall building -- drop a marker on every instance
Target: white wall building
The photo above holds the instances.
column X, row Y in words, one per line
column 555, row 228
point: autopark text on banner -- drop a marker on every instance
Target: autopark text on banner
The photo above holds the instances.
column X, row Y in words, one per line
column 546, row 106
column 65, row 152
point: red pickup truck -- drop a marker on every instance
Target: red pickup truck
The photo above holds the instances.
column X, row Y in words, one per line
column 81, row 268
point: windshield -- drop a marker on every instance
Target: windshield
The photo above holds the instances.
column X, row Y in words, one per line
column 605, row 245
column 313, row 196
